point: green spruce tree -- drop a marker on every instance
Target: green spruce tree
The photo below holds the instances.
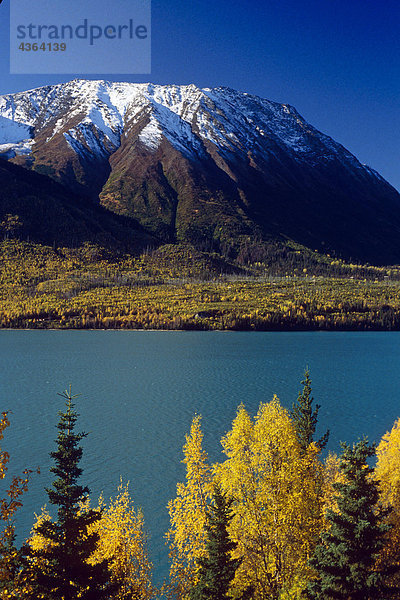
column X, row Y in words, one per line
column 62, row 571
column 217, row 568
column 345, row 558
column 11, row 562
column 305, row 418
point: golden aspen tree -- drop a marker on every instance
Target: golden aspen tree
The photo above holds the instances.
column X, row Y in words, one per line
column 187, row 535
column 36, row 541
column 387, row 473
column 277, row 508
column 123, row 541
column 238, row 479
column 387, row 469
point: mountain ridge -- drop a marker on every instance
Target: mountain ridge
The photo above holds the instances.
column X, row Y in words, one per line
column 209, row 166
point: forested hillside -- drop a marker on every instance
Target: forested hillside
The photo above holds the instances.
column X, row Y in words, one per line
column 179, row 287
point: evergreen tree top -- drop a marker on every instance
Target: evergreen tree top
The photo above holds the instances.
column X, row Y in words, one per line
column 345, row 559
column 305, row 417
column 66, row 493
column 62, row 571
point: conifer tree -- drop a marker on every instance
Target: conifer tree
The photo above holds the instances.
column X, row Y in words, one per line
column 345, row 558
column 60, row 568
column 217, row 568
column 305, row 418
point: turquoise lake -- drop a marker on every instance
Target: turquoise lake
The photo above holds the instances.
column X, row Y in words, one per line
column 140, row 390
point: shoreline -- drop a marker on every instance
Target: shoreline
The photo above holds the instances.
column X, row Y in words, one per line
column 210, row 330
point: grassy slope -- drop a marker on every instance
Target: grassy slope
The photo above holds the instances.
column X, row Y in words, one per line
column 177, row 287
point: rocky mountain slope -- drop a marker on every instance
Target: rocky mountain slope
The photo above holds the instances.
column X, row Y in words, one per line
column 213, row 167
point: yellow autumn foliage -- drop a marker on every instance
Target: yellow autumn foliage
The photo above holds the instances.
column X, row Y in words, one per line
column 36, row 541
column 89, row 288
column 4, row 457
column 387, row 473
column 186, row 536
column 122, row 541
column 277, row 507
column 387, row 469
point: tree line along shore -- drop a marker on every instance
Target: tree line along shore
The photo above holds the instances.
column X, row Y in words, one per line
column 176, row 287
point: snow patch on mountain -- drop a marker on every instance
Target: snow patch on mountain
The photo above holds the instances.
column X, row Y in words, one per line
column 72, row 142
column 15, row 138
column 104, row 123
column 8, row 151
column 118, row 96
column 12, row 132
column 177, row 131
column 151, row 135
column 94, row 115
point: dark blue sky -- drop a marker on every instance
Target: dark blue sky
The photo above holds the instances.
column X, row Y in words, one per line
column 336, row 61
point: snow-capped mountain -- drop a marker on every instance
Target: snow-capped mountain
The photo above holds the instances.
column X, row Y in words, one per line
column 92, row 116
column 204, row 165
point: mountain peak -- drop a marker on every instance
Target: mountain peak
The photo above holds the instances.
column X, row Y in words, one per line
column 199, row 164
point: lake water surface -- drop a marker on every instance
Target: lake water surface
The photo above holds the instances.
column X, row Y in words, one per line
column 140, row 390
